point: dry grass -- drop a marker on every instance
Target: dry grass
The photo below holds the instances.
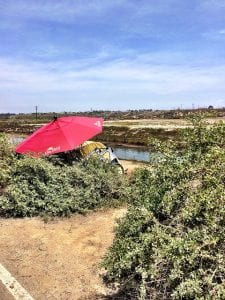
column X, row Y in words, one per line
column 167, row 124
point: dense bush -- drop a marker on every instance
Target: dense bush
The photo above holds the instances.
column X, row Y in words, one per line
column 171, row 244
column 6, row 161
column 40, row 186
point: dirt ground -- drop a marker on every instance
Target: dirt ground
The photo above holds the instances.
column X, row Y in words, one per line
column 4, row 294
column 131, row 165
column 59, row 259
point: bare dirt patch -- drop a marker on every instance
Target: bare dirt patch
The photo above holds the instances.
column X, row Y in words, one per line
column 4, row 294
column 58, row 260
column 131, row 165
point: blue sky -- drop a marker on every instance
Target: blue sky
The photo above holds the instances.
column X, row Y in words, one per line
column 72, row 55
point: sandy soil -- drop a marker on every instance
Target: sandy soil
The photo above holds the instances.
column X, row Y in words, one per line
column 131, row 165
column 4, row 294
column 58, row 260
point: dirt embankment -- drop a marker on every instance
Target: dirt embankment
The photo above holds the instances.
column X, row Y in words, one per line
column 131, row 165
column 134, row 136
column 60, row 259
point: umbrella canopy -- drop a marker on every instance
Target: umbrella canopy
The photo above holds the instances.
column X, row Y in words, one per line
column 62, row 134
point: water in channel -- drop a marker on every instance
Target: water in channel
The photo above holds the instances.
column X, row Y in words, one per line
column 129, row 153
column 122, row 152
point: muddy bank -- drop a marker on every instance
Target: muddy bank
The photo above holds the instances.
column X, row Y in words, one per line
column 134, row 136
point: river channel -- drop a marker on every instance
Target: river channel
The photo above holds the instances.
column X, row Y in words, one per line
column 122, row 152
column 131, row 153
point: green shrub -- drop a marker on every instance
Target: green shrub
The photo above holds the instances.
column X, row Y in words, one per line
column 40, row 186
column 171, row 243
column 6, row 161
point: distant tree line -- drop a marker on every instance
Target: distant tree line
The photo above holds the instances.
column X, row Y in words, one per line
column 6, row 116
column 118, row 114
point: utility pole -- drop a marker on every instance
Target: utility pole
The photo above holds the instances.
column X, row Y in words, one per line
column 36, row 111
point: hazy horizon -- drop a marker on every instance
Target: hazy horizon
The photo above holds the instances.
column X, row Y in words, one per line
column 120, row 110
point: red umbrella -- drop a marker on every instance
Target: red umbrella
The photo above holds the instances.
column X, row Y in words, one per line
column 62, row 134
